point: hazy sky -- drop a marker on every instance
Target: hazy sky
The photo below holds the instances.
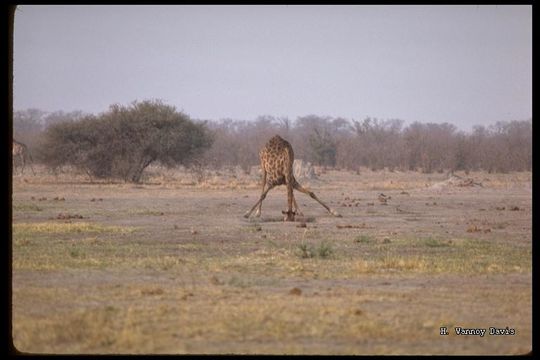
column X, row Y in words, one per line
column 460, row 64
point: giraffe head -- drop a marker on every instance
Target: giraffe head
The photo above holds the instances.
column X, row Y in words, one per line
column 289, row 215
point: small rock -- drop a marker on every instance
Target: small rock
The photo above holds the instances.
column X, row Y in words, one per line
column 295, row 291
column 157, row 291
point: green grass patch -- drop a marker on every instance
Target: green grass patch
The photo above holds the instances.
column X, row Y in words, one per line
column 146, row 212
column 53, row 228
column 324, row 250
column 364, row 239
column 75, row 253
column 253, row 227
column 307, row 251
column 26, row 207
column 97, row 253
column 50, row 245
column 432, row 242
column 458, row 256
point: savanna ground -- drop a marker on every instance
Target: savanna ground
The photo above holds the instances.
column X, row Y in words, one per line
column 172, row 266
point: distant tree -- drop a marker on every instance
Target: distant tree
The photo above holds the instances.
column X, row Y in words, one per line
column 124, row 141
column 315, row 139
column 29, row 120
column 430, row 146
column 323, row 147
column 462, row 159
column 510, row 146
column 377, row 143
column 61, row 116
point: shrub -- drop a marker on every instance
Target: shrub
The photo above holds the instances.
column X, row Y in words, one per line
column 122, row 142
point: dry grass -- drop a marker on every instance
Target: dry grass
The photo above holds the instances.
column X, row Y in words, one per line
column 236, row 178
column 225, row 318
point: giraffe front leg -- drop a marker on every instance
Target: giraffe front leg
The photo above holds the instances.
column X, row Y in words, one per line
column 289, row 214
column 258, row 203
column 258, row 212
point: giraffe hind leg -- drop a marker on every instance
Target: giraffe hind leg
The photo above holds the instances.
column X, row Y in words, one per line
column 299, row 187
column 296, row 209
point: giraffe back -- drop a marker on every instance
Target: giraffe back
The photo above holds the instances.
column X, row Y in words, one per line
column 277, row 159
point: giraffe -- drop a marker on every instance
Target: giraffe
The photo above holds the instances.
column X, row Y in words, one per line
column 21, row 152
column 277, row 159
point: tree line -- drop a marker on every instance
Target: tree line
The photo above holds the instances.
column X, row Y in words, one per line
column 123, row 141
column 378, row 144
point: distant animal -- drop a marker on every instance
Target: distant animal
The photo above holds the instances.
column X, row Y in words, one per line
column 277, row 158
column 20, row 152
